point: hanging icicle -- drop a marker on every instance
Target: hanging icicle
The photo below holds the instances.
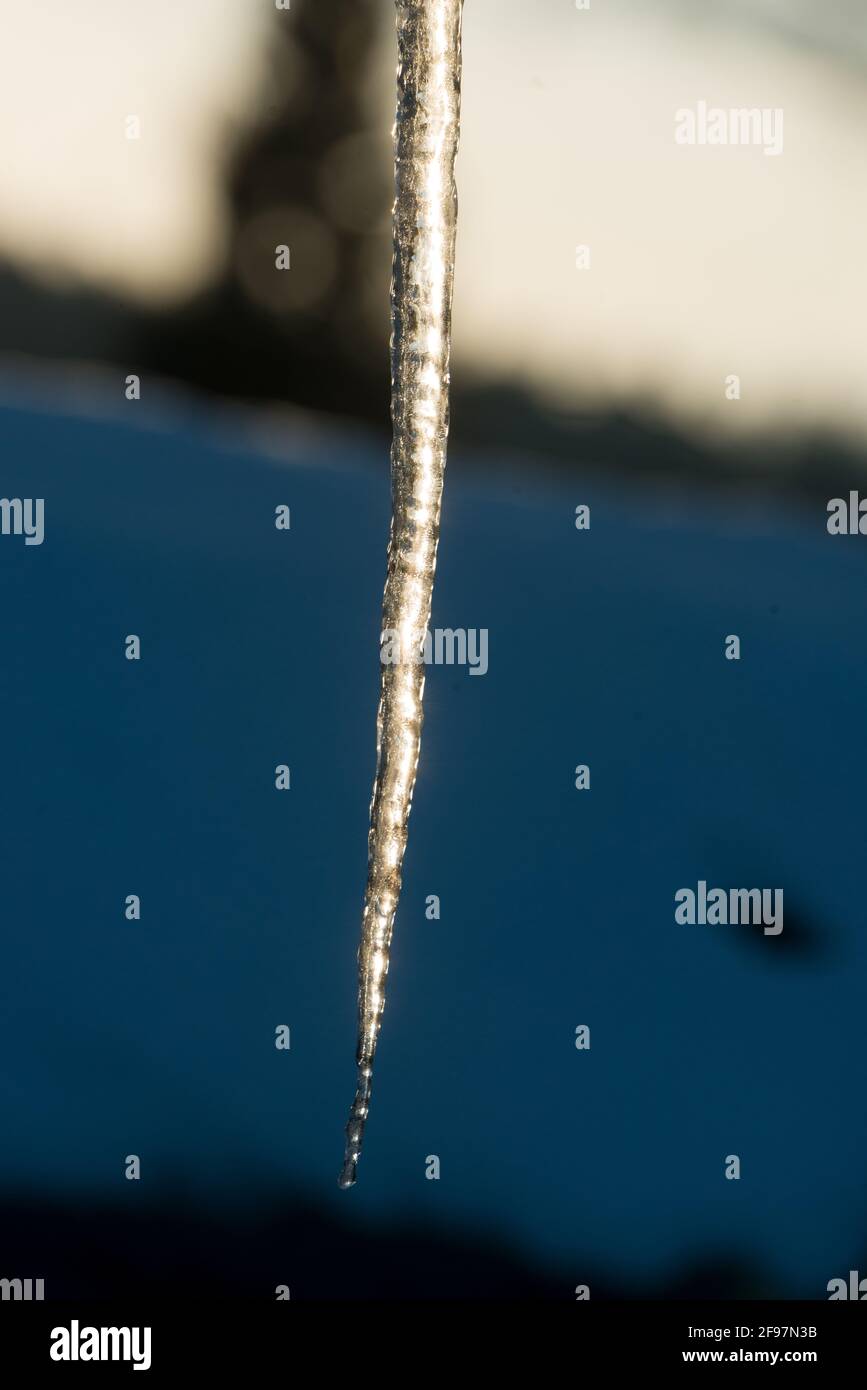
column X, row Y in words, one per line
column 425, row 218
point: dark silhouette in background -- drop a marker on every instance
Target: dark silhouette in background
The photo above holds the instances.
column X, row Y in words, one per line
column 311, row 178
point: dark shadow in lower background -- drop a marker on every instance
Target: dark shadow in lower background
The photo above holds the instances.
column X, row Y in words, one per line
column 161, row 1249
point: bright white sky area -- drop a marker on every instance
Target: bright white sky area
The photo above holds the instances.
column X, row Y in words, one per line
column 705, row 261
column 75, row 194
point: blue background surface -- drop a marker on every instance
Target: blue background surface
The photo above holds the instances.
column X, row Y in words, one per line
column 260, row 647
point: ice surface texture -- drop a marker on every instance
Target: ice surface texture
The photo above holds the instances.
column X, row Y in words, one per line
column 425, row 218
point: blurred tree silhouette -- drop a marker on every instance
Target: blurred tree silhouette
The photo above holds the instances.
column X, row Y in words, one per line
column 315, row 178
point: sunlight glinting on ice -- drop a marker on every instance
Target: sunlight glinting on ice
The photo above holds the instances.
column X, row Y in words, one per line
column 425, row 216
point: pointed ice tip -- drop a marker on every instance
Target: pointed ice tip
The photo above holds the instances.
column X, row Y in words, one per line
column 348, row 1175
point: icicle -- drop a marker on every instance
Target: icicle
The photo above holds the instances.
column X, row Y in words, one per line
column 425, row 217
